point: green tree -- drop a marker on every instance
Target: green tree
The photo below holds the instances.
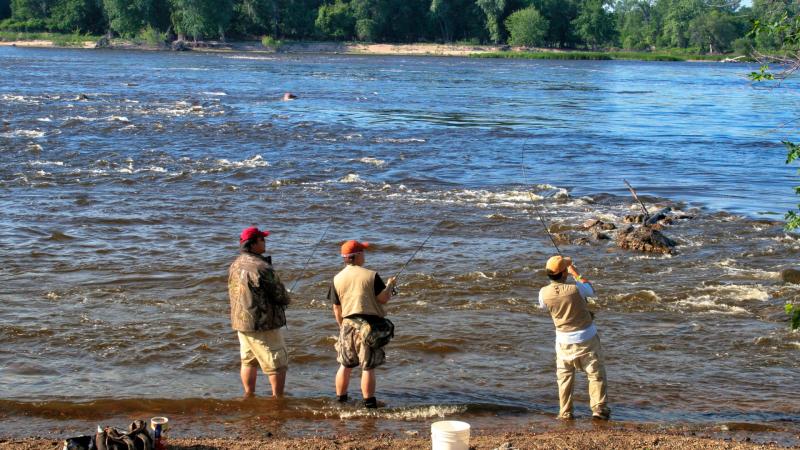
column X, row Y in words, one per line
column 22, row 10
column 336, row 20
column 457, row 19
column 85, row 16
column 201, row 18
column 493, row 10
column 253, row 17
column 129, row 17
column 5, row 9
column 636, row 24
column 559, row 14
column 677, row 14
column 526, row 27
column 595, row 23
column 714, row 31
column 296, row 18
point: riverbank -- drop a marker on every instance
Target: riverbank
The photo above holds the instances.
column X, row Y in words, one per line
column 48, row 40
column 566, row 438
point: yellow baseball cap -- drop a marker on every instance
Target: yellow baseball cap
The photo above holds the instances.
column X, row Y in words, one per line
column 558, row 264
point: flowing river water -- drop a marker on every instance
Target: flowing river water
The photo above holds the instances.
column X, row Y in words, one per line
column 125, row 178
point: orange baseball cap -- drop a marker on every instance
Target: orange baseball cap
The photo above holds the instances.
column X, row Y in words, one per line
column 558, row 264
column 352, row 247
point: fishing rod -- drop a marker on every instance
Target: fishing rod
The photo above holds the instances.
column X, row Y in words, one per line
column 536, row 205
column 646, row 214
column 402, row 269
column 313, row 250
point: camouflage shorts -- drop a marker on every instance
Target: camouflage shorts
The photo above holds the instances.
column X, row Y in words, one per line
column 351, row 350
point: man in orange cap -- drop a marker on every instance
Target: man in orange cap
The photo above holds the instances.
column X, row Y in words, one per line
column 258, row 303
column 358, row 296
column 577, row 343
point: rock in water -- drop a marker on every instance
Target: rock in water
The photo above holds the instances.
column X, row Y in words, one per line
column 180, row 46
column 103, row 42
column 790, row 276
column 645, row 239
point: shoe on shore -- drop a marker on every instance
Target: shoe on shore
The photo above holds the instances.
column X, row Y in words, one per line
column 566, row 416
column 601, row 415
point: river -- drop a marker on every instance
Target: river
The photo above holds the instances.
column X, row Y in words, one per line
column 126, row 177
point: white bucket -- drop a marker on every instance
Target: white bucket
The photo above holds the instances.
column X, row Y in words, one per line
column 450, row 435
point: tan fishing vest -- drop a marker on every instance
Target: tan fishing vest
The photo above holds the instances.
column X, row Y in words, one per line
column 567, row 308
column 355, row 287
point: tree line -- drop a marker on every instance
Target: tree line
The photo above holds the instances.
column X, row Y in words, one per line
column 708, row 26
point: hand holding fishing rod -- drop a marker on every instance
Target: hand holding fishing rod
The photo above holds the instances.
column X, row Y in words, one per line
column 393, row 279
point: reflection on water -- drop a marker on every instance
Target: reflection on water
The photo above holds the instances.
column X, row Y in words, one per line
column 121, row 209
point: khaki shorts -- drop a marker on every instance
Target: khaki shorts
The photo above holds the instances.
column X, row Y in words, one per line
column 351, row 350
column 264, row 348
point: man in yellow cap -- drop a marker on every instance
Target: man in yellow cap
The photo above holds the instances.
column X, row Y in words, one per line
column 577, row 343
column 358, row 295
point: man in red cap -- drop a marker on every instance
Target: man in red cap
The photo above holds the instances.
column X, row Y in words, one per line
column 358, row 296
column 258, row 303
column 577, row 343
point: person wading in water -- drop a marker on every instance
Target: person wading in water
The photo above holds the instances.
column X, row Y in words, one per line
column 577, row 343
column 358, row 296
column 258, row 303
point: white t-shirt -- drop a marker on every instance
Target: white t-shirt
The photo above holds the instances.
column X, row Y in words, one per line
column 575, row 337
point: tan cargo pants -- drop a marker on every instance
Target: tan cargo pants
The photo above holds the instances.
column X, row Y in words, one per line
column 586, row 357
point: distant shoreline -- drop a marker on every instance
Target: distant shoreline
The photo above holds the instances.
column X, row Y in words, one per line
column 419, row 49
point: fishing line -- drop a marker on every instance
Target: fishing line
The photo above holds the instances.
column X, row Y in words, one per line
column 313, row 250
column 536, row 205
column 402, row 269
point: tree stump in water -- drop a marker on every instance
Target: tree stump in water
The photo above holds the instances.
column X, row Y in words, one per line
column 645, row 239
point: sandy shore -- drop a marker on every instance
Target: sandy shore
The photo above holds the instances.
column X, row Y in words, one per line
column 295, row 47
column 562, row 439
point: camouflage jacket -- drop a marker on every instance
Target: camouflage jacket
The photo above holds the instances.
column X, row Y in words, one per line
column 258, row 298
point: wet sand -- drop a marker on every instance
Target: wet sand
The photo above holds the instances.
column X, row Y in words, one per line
column 610, row 438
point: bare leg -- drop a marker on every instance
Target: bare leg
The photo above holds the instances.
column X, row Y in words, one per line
column 278, row 381
column 368, row 383
column 249, row 375
column 342, row 380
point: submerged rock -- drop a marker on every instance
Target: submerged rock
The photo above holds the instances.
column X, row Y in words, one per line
column 645, row 239
column 790, row 276
column 633, row 218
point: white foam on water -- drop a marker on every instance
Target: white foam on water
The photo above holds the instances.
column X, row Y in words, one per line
column 44, row 119
column 46, row 163
column 255, row 161
column 351, row 178
column 704, row 303
column 415, row 413
column 399, row 140
column 215, row 94
column 18, row 99
column 122, row 119
column 253, row 58
column 41, row 173
column 33, row 134
column 373, row 161
column 738, row 292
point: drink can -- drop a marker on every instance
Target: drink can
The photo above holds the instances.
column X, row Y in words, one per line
column 159, row 427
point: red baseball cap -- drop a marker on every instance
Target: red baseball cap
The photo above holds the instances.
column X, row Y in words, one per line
column 249, row 233
column 352, row 247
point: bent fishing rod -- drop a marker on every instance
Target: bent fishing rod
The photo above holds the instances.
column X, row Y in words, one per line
column 313, row 250
column 536, row 205
column 413, row 255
